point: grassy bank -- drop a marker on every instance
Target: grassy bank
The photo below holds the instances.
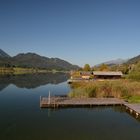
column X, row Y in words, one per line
column 18, row 70
column 27, row 70
column 125, row 89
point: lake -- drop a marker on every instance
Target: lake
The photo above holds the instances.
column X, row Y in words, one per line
column 22, row 119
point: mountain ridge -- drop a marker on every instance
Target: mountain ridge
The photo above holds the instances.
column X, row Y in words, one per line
column 33, row 60
column 133, row 60
column 3, row 54
column 114, row 62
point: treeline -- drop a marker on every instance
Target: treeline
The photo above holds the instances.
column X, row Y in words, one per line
column 125, row 68
column 18, row 70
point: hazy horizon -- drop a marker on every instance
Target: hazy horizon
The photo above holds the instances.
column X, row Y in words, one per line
column 78, row 31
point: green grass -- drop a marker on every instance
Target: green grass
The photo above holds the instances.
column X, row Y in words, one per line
column 124, row 89
column 133, row 99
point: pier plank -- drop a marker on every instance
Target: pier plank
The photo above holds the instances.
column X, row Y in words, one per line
column 133, row 107
column 65, row 101
column 55, row 102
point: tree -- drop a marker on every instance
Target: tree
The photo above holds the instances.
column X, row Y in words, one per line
column 87, row 67
column 103, row 67
column 124, row 69
column 135, row 72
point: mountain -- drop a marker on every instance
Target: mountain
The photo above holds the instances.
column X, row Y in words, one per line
column 32, row 60
column 114, row 62
column 3, row 54
column 133, row 60
column 37, row 61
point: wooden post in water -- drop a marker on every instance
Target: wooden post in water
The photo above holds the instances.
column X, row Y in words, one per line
column 40, row 101
column 49, row 98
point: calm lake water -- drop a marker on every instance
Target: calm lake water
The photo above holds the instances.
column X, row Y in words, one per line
column 22, row 119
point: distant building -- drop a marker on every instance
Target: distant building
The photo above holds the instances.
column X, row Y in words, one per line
column 107, row 74
column 86, row 75
column 97, row 75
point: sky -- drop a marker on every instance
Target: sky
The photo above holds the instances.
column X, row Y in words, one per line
column 78, row 31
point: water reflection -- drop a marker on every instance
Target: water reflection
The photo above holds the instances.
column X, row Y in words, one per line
column 22, row 119
column 32, row 80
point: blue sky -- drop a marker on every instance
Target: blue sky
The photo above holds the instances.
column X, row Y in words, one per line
column 79, row 31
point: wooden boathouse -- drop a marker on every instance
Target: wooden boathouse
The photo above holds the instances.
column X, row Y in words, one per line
column 99, row 75
column 107, row 74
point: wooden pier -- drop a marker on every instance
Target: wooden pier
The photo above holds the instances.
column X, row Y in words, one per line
column 63, row 102
column 133, row 109
column 57, row 102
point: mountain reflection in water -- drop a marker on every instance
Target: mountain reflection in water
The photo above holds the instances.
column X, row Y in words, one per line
column 32, row 80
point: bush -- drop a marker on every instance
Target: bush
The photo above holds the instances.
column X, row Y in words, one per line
column 134, row 76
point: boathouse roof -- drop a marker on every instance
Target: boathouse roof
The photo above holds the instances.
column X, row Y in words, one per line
column 108, row 73
column 85, row 73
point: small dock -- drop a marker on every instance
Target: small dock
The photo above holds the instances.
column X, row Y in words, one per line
column 133, row 109
column 58, row 102
column 64, row 102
